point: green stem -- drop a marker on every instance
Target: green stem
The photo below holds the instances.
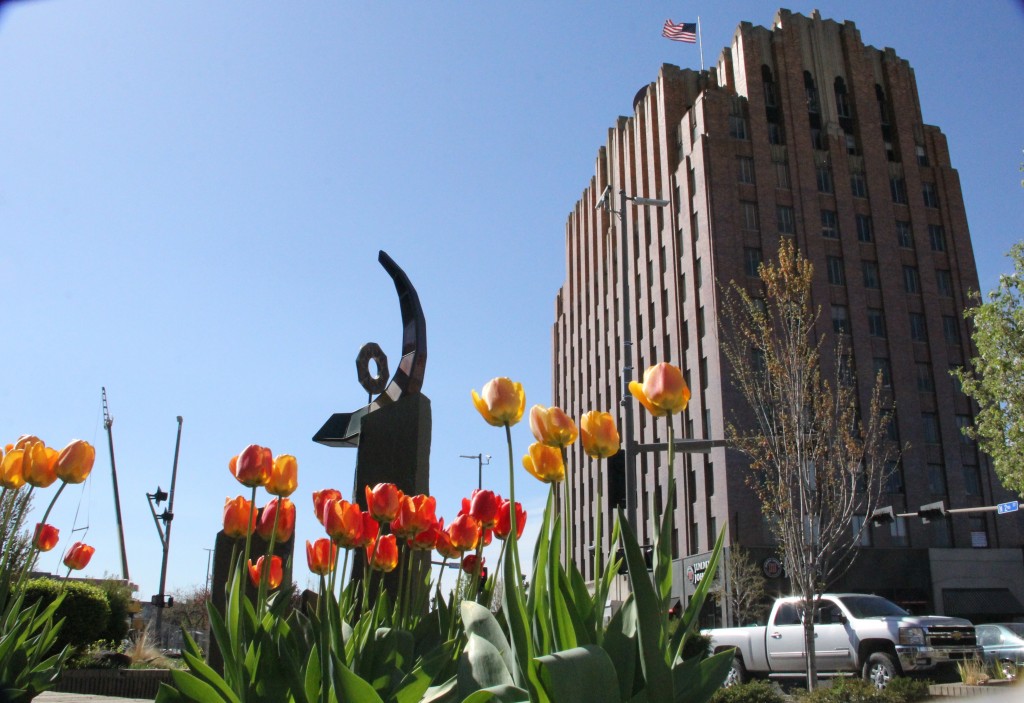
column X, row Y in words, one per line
column 512, row 499
column 265, row 574
column 249, row 528
column 34, row 550
column 396, row 611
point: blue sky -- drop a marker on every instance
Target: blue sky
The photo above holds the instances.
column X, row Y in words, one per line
column 193, row 194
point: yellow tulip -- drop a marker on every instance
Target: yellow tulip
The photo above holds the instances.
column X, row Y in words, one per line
column 664, row 391
column 501, row 402
column 74, row 463
column 39, row 464
column 551, row 426
column 599, row 435
column 284, row 476
column 545, row 463
column 11, row 475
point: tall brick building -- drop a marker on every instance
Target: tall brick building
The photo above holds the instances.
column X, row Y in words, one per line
column 800, row 131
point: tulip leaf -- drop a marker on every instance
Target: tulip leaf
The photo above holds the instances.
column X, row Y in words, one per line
column 663, row 547
column 501, row 694
column 479, row 621
column 579, row 675
column 537, row 603
column 201, row 670
column 650, row 635
column 444, row 693
column 350, row 688
column 415, row 684
column 516, row 614
column 313, row 680
column 697, row 680
column 481, row 666
column 193, row 689
column 620, row 644
column 232, row 670
column 691, row 615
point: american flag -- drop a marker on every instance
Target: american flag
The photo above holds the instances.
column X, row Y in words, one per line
column 684, row 31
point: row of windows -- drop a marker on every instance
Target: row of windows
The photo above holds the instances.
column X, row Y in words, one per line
column 869, row 270
column 877, row 326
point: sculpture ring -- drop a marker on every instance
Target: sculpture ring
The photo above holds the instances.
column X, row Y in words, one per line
column 372, row 384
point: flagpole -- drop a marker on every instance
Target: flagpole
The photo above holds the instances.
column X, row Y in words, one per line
column 700, row 42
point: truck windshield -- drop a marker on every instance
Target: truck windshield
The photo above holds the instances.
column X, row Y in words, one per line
column 871, row 607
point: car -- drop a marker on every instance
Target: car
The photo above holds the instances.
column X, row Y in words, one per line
column 1002, row 643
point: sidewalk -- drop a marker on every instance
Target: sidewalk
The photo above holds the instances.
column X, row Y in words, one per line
column 54, row 697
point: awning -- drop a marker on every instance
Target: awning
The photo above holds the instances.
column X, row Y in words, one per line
column 980, row 601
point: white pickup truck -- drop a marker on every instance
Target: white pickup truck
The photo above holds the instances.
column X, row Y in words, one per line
column 854, row 634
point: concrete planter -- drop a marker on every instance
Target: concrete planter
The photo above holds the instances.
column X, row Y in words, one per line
column 123, row 683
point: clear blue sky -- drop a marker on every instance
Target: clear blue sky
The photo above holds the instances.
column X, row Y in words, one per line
column 193, row 194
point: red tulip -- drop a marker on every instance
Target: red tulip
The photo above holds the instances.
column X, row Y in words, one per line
column 371, row 528
column 444, row 546
column 239, row 517
column 321, row 556
column 415, row 514
column 285, row 524
column 483, row 506
column 464, row 532
column 504, row 526
column 46, row 537
column 383, row 501
column 253, row 466
column 320, row 499
column 469, row 563
column 78, row 556
column 344, row 523
column 273, row 578
column 384, row 555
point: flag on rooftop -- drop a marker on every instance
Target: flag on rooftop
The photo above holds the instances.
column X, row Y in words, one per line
column 683, row 31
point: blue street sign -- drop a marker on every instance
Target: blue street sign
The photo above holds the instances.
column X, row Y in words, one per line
column 1010, row 507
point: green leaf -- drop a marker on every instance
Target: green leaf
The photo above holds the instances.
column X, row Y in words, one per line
column 445, row 693
column 414, row 686
column 691, row 616
column 348, row 687
column 502, row 694
column 201, row 670
column 195, row 690
column 696, row 681
column 537, row 605
column 479, row 621
column 620, row 643
column 313, row 679
column 579, row 675
column 650, row 635
column 481, row 666
column 663, row 547
column 515, row 614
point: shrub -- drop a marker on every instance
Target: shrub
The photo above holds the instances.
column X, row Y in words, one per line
column 119, row 598
column 85, row 610
column 853, row 690
column 903, row 689
column 751, row 692
column 697, row 644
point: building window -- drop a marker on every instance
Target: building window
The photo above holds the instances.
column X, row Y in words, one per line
column 904, row 234
column 937, row 479
column 749, row 213
column 840, row 319
column 816, row 141
column 876, row 322
column 898, row 532
column 930, row 427
column 922, row 155
column 851, row 145
column 698, row 274
column 979, row 533
column 911, row 279
column 883, row 368
column 752, row 260
column 944, row 282
column 925, row 379
column 811, row 93
column 893, row 478
column 937, row 237
column 775, row 135
column 700, row 324
column 745, row 166
column 842, row 101
column 918, row 330
column 864, row 538
column 824, row 175
column 836, row 277
column 898, row 189
column 950, row 329
column 785, row 218
column 737, row 127
column 865, row 229
column 972, row 483
column 782, row 175
column 963, row 422
column 930, row 194
column 858, row 185
column 870, row 271
column 829, row 224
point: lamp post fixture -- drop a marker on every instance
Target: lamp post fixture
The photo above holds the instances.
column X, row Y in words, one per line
column 628, row 450
column 481, row 463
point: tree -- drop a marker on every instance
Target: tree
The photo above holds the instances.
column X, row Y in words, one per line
column 817, row 461
column 14, row 509
column 741, row 587
column 996, row 381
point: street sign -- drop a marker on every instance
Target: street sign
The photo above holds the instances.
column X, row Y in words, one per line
column 1010, row 507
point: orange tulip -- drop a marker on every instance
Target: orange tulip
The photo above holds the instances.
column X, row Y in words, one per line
column 253, row 466
column 74, row 463
column 664, row 390
column 384, row 555
column 427, row 539
column 321, row 556
column 471, row 562
column 284, row 476
column 239, row 517
column 483, row 505
column 26, row 439
column 273, row 578
column 11, row 475
column 501, row 402
column 383, row 501
column 343, row 522
column 415, row 514
column 504, row 525
column 545, row 463
column 599, row 435
column 551, row 426
column 464, row 532
column 39, row 464
column 371, row 528
column 320, row 499
column 285, row 524
column 78, row 556
column 444, row 546
column 46, row 537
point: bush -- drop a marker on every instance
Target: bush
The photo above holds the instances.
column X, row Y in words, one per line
column 855, row 690
column 119, row 598
column 755, row 691
column 697, row 644
column 903, row 689
column 85, row 610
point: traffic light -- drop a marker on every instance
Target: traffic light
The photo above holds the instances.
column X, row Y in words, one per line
column 932, row 511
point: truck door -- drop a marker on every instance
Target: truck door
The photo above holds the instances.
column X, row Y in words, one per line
column 784, row 640
column 833, row 639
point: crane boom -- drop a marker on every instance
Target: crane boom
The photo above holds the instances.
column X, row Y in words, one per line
column 108, row 423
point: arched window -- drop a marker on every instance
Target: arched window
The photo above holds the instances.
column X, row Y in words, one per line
column 842, row 100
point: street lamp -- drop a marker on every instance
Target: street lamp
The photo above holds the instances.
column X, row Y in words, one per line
column 627, row 343
column 480, row 466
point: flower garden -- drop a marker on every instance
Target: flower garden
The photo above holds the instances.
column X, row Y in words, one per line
column 369, row 636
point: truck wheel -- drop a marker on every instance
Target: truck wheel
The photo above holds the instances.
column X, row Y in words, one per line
column 737, row 673
column 880, row 669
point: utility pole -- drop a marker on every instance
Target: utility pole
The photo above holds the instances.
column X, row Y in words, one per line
column 160, row 600
column 479, row 467
column 108, row 423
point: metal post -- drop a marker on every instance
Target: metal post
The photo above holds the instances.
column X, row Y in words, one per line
column 108, row 424
column 167, row 517
column 627, row 367
column 480, row 464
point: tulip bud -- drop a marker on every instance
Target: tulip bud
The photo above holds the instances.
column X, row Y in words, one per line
column 11, row 475
column 78, row 556
column 273, row 578
column 551, row 426
column 253, row 466
column 320, row 499
column 74, row 463
column 599, row 435
column 383, row 556
column 504, row 525
column 545, row 463
column 664, row 390
column 284, row 476
column 45, row 537
column 239, row 517
column 321, row 556
column 383, row 501
column 501, row 402
column 285, row 523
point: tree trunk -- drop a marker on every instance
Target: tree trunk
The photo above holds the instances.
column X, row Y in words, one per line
column 809, row 654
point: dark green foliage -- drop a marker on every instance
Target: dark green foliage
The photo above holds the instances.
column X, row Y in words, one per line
column 85, row 610
column 119, row 598
column 697, row 644
column 903, row 689
column 854, row 690
column 751, row 692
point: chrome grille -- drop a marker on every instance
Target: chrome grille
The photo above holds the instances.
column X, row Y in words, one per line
column 952, row 636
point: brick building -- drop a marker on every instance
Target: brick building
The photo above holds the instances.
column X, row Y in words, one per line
column 800, row 131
